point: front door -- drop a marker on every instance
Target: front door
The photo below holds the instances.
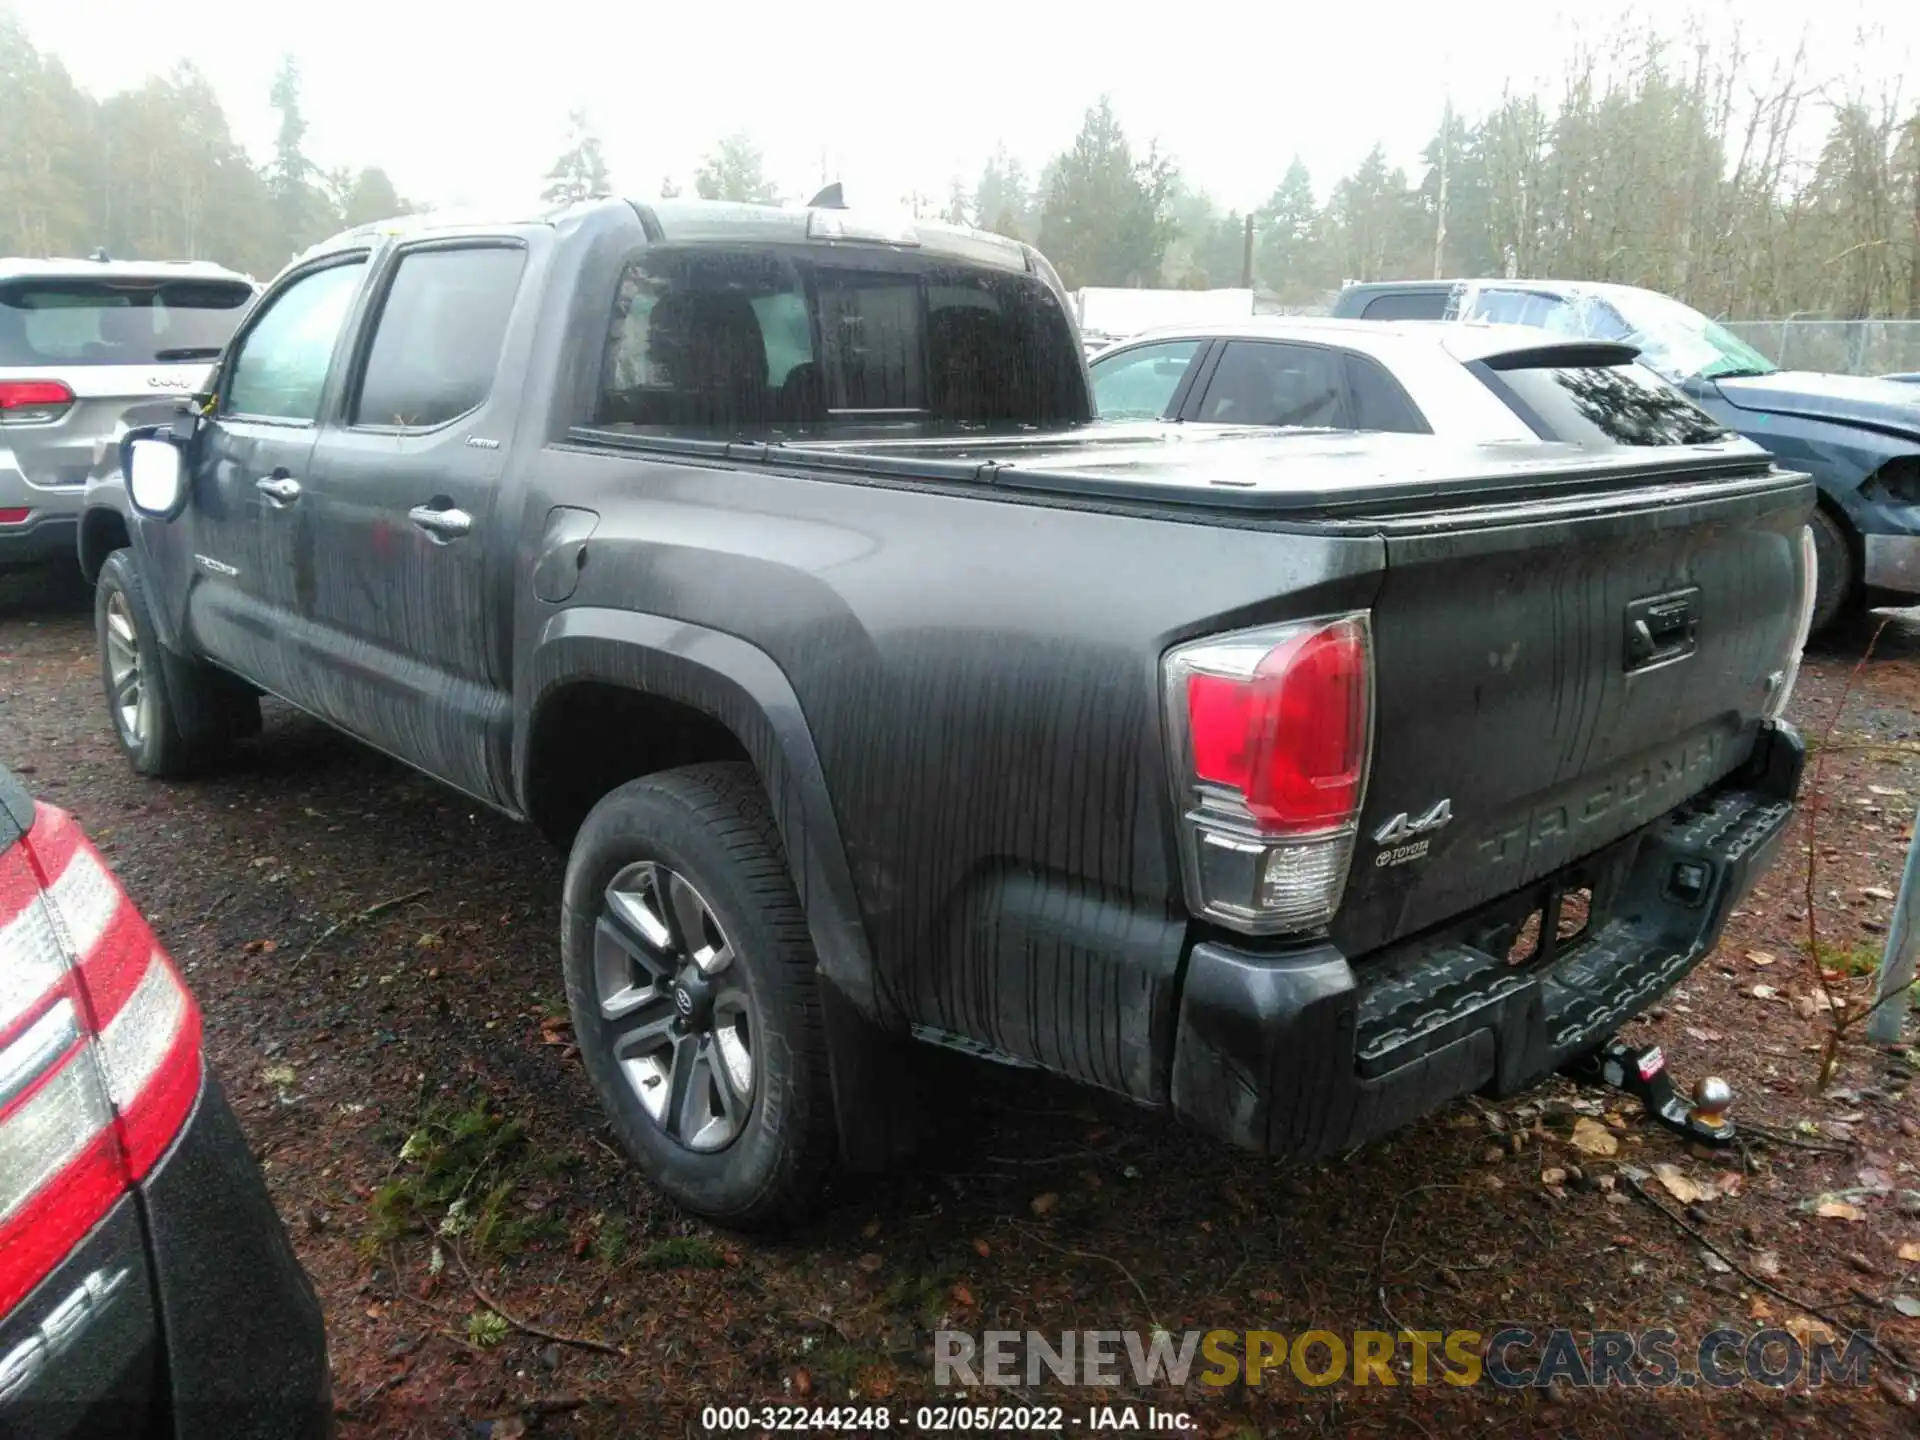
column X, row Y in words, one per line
column 250, row 472
column 392, row 574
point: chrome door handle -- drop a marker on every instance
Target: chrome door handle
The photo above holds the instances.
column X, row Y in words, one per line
column 447, row 524
column 281, row 489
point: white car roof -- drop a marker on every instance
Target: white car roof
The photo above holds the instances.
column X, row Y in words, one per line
column 19, row 268
column 1465, row 341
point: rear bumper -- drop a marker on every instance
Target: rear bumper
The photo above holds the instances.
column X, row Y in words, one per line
column 246, row 1346
column 182, row 1314
column 1891, row 563
column 53, row 521
column 1305, row 1054
column 43, row 536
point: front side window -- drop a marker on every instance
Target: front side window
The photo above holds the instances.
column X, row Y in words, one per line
column 1259, row 382
column 1604, row 405
column 280, row 369
column 706, row 339
column 437, row 343
column 82, row 321
column 1139, row 384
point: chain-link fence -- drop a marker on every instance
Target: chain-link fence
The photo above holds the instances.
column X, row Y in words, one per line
column 1845, row 347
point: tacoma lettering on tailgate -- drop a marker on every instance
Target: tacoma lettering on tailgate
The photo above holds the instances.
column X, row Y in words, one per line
column 1670, row 775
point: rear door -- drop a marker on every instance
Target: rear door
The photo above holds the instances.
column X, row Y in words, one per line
column 1272, row 382
column 395, row 639
column 250, row 470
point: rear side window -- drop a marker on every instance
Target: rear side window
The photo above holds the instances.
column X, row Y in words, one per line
column 708, row 339
column 1139, row 384
column 437, row 343
column 1603, row 405
column 66, row 322
column 1407, row 305
column 1259, row 382
column 1378, row 401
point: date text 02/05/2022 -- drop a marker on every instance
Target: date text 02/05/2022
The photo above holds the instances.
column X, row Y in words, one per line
column 946, row 1419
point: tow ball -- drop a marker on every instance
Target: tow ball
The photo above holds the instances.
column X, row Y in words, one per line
column 1643, row 1074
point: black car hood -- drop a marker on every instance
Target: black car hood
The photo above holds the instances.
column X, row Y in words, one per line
column 1859, row 399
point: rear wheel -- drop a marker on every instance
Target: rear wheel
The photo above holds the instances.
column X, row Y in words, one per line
column 689, row 974
column 1837, row 583
column 170, row 715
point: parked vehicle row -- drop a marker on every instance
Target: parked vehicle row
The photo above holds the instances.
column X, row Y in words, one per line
column 767, row 560
column 1485, row 383
column 1858, row 437
column 89, row 348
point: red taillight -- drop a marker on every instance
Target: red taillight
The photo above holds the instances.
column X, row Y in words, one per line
column 99, row 1049
column 14, row 514
column 29, row 402
column 1292, row 737
column 1271, row 731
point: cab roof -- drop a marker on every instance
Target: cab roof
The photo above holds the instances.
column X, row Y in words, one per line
column 694, row 221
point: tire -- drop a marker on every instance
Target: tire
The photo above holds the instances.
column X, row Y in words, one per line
column 1837, row 584
column 744, row 1153
column 182, row 714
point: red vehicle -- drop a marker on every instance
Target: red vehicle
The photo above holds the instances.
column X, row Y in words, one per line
column 134, row 1224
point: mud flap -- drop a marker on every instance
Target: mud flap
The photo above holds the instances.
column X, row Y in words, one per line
column 209, row 705
column 876, row 1100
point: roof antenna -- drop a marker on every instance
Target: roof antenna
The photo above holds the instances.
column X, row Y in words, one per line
column 100, row 254
column 828, row 199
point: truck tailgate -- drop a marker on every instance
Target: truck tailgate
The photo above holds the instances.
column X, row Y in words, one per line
column 1551, row 677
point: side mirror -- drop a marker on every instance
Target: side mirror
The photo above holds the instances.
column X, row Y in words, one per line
column 156, row 475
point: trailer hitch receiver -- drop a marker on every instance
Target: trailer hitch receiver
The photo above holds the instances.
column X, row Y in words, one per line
column 1643, row 1074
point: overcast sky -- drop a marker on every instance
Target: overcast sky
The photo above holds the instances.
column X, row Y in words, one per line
column 466, row 104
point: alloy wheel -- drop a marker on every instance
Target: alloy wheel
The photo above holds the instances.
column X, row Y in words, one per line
column 668, row 985
column 126, row 677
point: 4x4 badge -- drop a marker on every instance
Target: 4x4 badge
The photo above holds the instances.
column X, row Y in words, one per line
column 1403, row 838
column 1401, row 829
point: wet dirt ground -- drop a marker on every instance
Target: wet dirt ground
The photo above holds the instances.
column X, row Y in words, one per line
column 377, row 961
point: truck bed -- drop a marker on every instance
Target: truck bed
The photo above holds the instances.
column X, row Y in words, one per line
column 1278, row 474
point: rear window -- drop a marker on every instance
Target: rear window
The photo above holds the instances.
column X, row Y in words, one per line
column 64, row 322
column 714, row 340
column 1407, row 305
column 1604, row 405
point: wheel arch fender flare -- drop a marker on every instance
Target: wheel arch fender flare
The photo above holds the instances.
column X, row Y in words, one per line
column 741, row 687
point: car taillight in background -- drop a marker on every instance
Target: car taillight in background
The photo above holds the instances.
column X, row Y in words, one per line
column 99, row 1049
column 33, row 402
column 1270, row 732
column 1809, row 588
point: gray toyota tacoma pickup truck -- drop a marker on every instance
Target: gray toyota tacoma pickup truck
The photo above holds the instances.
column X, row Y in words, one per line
column 767, row 560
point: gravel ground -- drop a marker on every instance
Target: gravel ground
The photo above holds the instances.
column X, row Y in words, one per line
column 377, row 960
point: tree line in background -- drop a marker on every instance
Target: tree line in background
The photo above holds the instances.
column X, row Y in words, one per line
column 156, row 173
column 1683, row 168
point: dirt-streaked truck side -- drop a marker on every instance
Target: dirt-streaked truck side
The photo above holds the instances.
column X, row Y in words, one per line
column 767, row 561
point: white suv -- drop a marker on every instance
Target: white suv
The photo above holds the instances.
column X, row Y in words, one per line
column 88, row 348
